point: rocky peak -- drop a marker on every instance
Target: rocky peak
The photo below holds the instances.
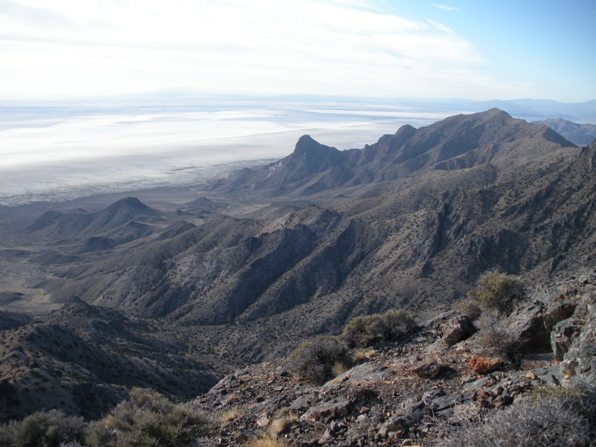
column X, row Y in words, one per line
column 495, row 113
column 128, row 203
column 308, row 147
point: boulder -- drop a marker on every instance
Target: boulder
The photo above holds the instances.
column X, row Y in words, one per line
column 580, row 359
column 432, row 369
column 456, row 329
column 328, row 410
column 485, row 365
column 532, row 324
column 562, row 336
column 365, row 372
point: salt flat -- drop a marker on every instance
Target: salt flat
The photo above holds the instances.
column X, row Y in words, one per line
column 59, row 153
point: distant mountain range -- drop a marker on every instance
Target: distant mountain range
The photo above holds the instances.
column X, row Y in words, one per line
column 580, row 134
column 527, row 108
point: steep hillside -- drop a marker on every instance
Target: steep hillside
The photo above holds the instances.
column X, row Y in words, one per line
column 122, row 221
column 84, row 359
column 432, row 389
column 468, row 194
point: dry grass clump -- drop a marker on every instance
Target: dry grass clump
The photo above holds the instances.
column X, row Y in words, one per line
column 316, row 359
column 229, row 415
column 147, row 419
column 371, row 329
column 562, row 418
column 494, row 335
column 266, row 442
column 363, row 355
column 281, row 424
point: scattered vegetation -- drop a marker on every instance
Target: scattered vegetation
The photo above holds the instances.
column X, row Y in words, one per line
column 281, row 423
column 322, row 358
column 363, row 354
column 147, row 419
column 43, row 429
column 498, row 291
column 494, row 335
column 580, row 399
column 561, row 418
column 371, row 329
column 315, row 360
column 229, row 415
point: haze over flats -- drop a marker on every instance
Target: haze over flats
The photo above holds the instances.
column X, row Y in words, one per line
column 50, row 153
column 62, row 150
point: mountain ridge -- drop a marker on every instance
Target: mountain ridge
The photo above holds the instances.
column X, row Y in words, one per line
column 457, row 142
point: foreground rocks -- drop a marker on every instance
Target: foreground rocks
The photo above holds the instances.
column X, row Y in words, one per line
column 413, row 393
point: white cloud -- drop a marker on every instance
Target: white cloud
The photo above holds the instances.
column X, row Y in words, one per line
column 444, row 7
column 105, row 47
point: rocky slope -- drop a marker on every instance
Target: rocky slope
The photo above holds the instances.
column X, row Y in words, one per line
column 83, row 360
column 417, row 392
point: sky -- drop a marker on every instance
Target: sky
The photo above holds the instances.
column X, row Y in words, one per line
column 371, row 48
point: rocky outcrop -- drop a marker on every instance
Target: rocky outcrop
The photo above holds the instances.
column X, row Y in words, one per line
column 456, row 329
column 575, row 339
column 531, row 326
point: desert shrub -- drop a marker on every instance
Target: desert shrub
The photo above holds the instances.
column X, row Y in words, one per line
column 43, row 429
column 147, row 418
column 370, row 329
column 544, row 421
column 314, row 360
column 580, row 398
column 494, row 335
column 498, row 291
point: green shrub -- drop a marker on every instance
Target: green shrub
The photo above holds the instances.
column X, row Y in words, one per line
column 147, row 419
column 315, row 360
column 498, row 291
column 370, row 329
column 43, row 429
